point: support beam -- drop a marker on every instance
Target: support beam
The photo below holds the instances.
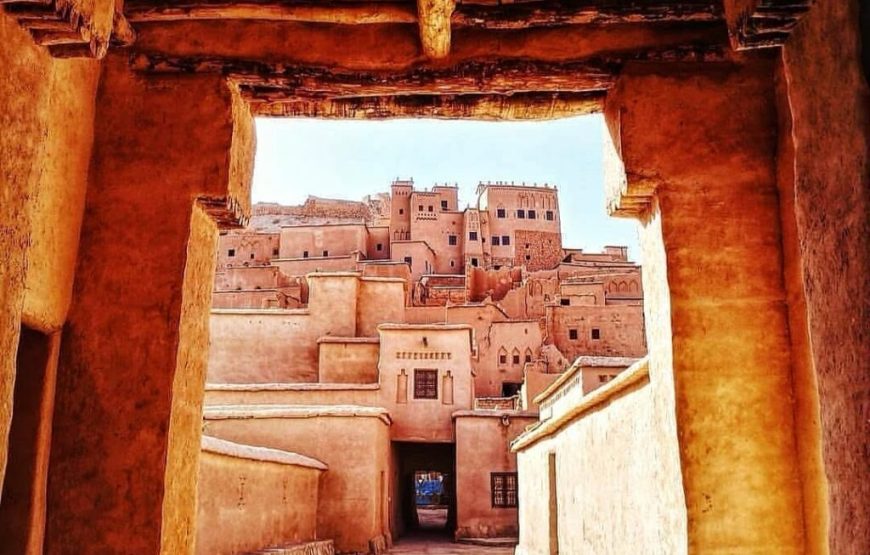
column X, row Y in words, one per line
column 434, row 20
column 546, row 13
column 488, row 107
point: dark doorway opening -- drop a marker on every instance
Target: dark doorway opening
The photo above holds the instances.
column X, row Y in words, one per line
column 426, row 488
column 23, row 500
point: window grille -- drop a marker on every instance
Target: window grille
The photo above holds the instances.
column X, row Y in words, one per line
column 425, row 384
column 504, row 489
column 500, row 213
column 532, row 215
column 451, row 239
column 521, row 214
column 472, row 236
column 495, row 240
column 505, row 240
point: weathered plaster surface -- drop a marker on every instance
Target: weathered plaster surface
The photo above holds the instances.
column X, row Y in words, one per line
column 160, row 144
column 828, row 99
column 46, row 117
column 251, row 498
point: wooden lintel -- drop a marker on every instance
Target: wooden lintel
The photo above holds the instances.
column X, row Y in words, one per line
column 551, row 13
column 484, row 77
column 52, row 37
column 350, row 13
column 523, row 106
column 545, row 13
column 768, row 25
column 434, row 21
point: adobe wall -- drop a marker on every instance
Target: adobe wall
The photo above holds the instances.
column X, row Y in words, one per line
column 239, row 246
column 823, row 181
column 615, row 460
column 336, row 240
column 247, row 277
column 354, row 442
column 249, row 498
column 621, row 329
column 381, row 300
column 315, row 263
column 376, row 236
column 537, row 250
column 347, row 360
column 292, row 394
column 520, row 338
column 475, row 460
column 422, row 257
column 263, row 346
column 47, row 115
column 534, row 383
column 447, row 349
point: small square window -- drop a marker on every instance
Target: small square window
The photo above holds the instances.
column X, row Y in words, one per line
column 472, row 236
column 409, row 260
column 443, row 205
column 425, row 384
column 502, row 359
column 505, row 240
column 495, row 240
column 231, row 252
column 304, row 254
column 549, row 215
column 451, row 240
column 252, row 256
column 474, row 262
column 431, row 208
column 532, row 215
column 565, row 302
column 419, row 208
column 521, row 214
column 572, row 334
column 504, row 489
column 379, row 246
column 401, row 211
column 500, row 213
column 325, row 253
column 275, row 252
column 516, row 359
column 452, row 263
column 596, row 333
column 528, row 357
column 528, row 257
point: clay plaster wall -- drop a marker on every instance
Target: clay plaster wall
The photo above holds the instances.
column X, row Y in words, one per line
column 614, row 461
column 292, row 394
column 46, row 117
column 246, row 247
column 621, row 330
column 475, row 460
column 347, row 361
column 252, row 499
column 422, row 257
column 381, row 300
column 316, row 263
column 537, row 250
column 447, row 349
column 824, row 179
column 263, row 346
column 512, row 338
column 336, row 240
column 247, row 277
column 352, row 509
column 534, row 383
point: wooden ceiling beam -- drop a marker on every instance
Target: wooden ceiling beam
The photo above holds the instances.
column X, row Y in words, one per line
column 479, row 77
column 518, row 107
column 434, row 21
column 545, row 13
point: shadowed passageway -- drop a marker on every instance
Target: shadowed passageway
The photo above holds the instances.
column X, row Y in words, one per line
column 435, row 544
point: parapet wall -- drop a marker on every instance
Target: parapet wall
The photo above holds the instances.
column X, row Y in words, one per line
column 250, row 498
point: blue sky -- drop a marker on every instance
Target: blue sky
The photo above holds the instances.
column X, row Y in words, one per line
column 350, row 159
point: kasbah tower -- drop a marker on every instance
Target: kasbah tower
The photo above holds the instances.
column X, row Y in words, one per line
column 418, row 336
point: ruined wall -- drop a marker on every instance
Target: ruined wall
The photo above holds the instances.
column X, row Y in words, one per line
column 475, row 460
column 354, row 442
column 537, row 250
column 249, row 498
column 46, row 117
column 824, row 180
